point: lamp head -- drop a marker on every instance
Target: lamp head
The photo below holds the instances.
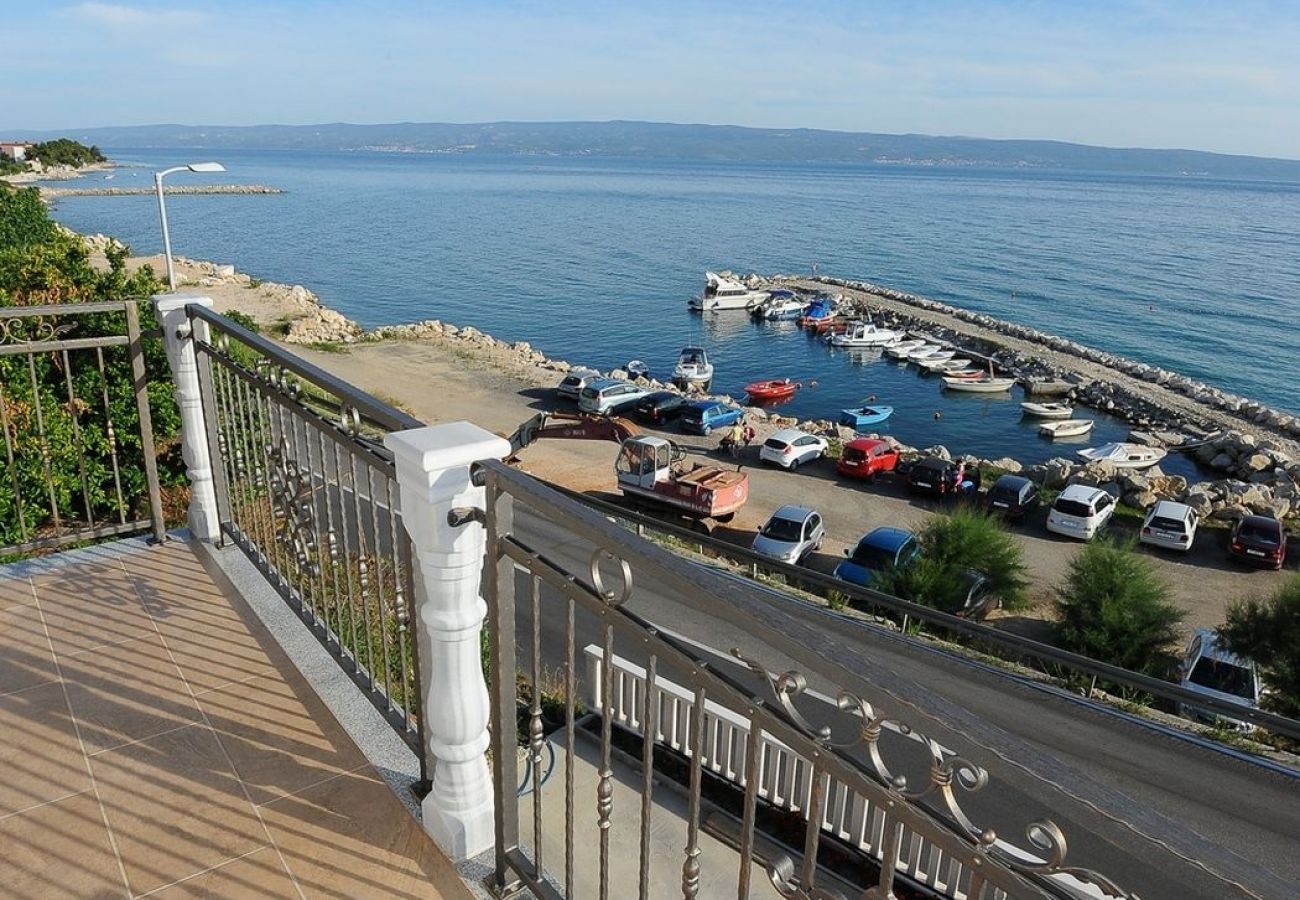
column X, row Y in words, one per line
column 206, row 167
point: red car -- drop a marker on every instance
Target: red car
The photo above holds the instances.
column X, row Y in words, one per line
column 866, row 457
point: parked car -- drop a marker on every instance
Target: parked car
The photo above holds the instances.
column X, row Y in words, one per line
column 866, row 458
column 608, row 396
column 1169, row 525
column 571, row 385
column 937, row 477
column 702, row 416
column 1258, row 540
column 659, row 407
column 1080, row 511
column 790, row 448
column 978, row 596
column 790, row 534
column 1208, row 668
column 1012, row 497
column 878, row 550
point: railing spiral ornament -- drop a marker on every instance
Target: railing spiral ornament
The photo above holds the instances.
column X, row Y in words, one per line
column 613, row 598
column 350, row 420
column 291, row 493
column 780, row 871
column 31, row 330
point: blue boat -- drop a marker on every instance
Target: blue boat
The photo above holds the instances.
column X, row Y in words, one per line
column 865, row 415
column 822, row 307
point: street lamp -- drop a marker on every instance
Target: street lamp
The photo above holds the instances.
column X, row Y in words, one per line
column 162, row 208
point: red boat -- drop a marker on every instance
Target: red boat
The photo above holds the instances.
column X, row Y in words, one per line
column 773, row 389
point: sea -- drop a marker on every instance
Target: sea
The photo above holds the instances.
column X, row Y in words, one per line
column 592, row 260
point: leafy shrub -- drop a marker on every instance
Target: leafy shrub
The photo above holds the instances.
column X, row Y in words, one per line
column 1114, row 608
column 65, row 152
column 1267, row 630
column 23, row 220
column 244, row 320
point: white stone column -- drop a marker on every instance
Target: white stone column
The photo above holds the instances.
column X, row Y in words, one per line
column 204, row 521
column 433, row 474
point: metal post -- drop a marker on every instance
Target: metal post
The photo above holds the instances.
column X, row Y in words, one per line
column 178, row 338
column 140, row 382
column 433, row 475
column 167, row 240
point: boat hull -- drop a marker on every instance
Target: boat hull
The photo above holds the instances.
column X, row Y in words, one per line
column 1066, row 428
column 978, row 385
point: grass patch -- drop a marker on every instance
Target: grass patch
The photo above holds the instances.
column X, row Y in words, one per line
column 328, row 346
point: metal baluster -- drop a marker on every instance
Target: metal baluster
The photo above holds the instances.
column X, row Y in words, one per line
column 363, row 571
column 812, row 835
column 13, row 468
column 74, row 415
column 691, row 865
column 331, row 487
column 752, row 752
column 44, row 443
column 226, row 440
column 570, row 700
column 649, row 734
column 535, row 726
column 379, row 586
column 349, row 574
column 499, row 594
column 401, row 601
column 893, row 833
column 605, row 782
column 140, row 380
column 262, row 522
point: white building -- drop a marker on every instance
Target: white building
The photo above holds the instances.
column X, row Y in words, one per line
column 15, row 150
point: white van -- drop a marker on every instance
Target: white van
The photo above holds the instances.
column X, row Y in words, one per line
column 1080, row 511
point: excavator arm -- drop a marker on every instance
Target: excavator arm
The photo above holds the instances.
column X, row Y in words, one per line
column 571, row 426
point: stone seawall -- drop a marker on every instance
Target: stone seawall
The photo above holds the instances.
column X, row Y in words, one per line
column 56, row 193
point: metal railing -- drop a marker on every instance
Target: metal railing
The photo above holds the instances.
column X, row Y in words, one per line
column 79, row 455
column 304, row 487
column 908, row 824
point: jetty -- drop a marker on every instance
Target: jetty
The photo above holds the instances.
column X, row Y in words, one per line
column 54, row 193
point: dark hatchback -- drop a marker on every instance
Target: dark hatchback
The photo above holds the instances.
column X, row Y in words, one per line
column 1012, row 497
column 937, row 477
column 1259, row 541
column 973, row 597
column 659, row 407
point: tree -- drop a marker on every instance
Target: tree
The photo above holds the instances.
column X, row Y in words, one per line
column 23, row 219
column 1267, row 630
column 65, row 152
column 1114, row 608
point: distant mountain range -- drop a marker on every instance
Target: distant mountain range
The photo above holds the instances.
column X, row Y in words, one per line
column 652, row 140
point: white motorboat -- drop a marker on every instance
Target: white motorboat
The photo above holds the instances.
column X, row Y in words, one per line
column 953, row 366
column 777, row 309
column 1065, row 428
column 864, row 334
column 923, row 351
column 1124, row 456
column 941, row 362
column 984, row 385
column 935, row 358
column 900, row 349
column 693, row 367
column 725, row 293
column 1048, row 410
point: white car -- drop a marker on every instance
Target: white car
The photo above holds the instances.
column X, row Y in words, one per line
column 571, row 385
column 609, row 395
column 1209, row 669
column 791, row 534
column 790, row 448
column 1080, row 512
column 1170, row 525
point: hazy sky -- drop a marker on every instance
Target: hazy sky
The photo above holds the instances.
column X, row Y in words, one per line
column 1206, row 75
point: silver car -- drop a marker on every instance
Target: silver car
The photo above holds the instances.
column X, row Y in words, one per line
column 791, row 534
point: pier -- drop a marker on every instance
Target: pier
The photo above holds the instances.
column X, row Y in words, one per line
column 55, row 193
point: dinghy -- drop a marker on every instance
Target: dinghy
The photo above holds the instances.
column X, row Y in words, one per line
column 983, row 385
column 1065, row 428
column 859, row 418
column 772, row 389
column 1048, row 410
column 1124, row 456
column 900, row 349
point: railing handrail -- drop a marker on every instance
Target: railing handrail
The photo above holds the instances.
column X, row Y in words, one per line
column 364, row 403
column 59, row 309
column 1023, row 646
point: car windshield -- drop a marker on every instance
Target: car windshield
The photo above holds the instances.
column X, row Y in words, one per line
column 783, row 530
column 775, row 444
column 1224, row 677
column 870, row 557
column 1259, row 534
column 1163, row 523
column 571, row 381
column 1072, row 508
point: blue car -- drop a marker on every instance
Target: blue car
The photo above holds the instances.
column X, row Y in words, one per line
column 703, row 416
column 877, row 551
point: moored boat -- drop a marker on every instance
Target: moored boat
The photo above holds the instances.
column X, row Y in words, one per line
column 693, row 367
column 900, row 349
column 772, row 389
column 823, row 307
column 960, row 364
column 721, row 292
column 965, row 373
column 932, row 361
column 1064, row 428
column 924, row 350
column 983, row 385
column 865, row 334
column 865, row 415
column 1048, row 410
column 1124, row 455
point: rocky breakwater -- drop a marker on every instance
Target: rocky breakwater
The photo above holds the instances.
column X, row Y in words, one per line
column 55, row 193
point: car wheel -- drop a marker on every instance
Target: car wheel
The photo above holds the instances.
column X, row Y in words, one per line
column 794, row 464
column 708, row 429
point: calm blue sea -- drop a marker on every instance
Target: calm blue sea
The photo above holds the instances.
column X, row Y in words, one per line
column 592, row 260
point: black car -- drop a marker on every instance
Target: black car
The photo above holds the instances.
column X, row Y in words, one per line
column 937, row 477
column 1259, row 541
column 1012, row 497
column 659, row 407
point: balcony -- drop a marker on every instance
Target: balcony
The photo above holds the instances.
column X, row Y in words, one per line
column 295, row 695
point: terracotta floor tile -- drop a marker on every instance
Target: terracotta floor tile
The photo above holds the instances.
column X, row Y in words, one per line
column 279, row 735
column 90, row 607
column 40, row 757
column 212, row 652
column 254, row 877
column 175, row 807
column 60, row 850
column 25, row 658
column 126, row 692
column 15, row 592
column 351, row 838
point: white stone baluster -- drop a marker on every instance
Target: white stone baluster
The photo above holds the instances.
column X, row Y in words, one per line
column 204, row 520
column 433, row 474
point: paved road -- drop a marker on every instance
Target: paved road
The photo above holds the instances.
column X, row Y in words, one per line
column 1136, row 802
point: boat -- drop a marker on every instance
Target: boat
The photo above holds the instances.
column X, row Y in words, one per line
column 693, row 367
column 835, row 324
column 1065, row 428
column 935, row 358
column 864, row 334
column 965, row 373
column 865, row 415
column 924, row 350
column 721, row 292
column 983, row 385
column 780, row 295
column 1124, row 456
column 783, row 309
column 961, row 364
column 1048, row 410
column 635, row 368
column 900, row 349
column 823, row 308
column 772, row 389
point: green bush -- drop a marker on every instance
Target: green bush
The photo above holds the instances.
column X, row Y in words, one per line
column 23, row 220
column 65, row 152
column 1267, row 630
column 1114, row 608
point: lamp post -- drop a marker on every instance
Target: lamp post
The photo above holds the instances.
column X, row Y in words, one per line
column 162, row 208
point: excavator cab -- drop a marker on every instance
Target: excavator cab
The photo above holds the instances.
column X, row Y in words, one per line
column 643, row 462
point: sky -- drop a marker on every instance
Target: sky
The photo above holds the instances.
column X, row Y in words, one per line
column 1222, row 76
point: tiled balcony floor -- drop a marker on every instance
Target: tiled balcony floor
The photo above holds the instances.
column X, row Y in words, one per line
column 154, row 740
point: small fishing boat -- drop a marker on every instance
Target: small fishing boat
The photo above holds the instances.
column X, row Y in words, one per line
column 1065, row 428
column 925, row 350
column 935, row 359
column 1124, row 456
column 961, row 364
column 900, row 349
column 863, row 416
column 779, row 296
column 772, row 389
column 984, row 385
column 1048, row 410
column 721, row 292
column 835, row 324
column 823, row 307
column 864, row 334
column 965, row 373
column 693, row 367
column 783, row 310
column 635, row 368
